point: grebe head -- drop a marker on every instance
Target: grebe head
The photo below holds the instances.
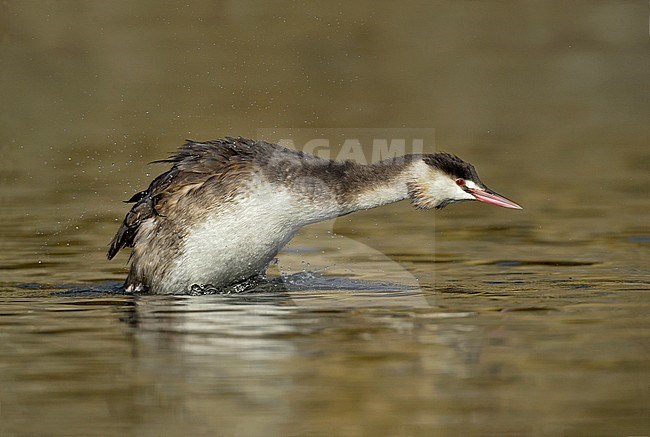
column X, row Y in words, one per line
column 447, row 179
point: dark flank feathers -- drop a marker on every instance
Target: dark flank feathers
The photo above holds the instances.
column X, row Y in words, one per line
column 143, row 209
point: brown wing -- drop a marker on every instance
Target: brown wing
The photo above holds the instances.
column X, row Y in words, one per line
column 193, row 164
column 144, row 208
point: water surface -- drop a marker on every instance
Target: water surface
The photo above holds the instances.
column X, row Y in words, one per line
column 472, row 320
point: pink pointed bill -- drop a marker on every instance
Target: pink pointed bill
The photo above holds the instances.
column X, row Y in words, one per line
column 493, row 198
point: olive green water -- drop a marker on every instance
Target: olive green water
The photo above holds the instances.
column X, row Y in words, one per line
column 473, row 320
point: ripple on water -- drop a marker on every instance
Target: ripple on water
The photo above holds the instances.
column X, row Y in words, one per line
column 298, row 282
column 553, row 263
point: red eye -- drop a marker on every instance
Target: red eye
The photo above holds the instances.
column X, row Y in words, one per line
column 460, row 182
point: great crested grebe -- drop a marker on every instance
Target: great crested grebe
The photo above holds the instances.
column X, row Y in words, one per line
column 226, row 207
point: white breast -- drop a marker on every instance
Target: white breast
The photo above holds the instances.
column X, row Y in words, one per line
column 238, row 240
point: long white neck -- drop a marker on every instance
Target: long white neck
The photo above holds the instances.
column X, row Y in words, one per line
column 393, row 189
column 332, row 190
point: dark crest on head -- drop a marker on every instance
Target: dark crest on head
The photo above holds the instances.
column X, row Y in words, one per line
column 453, row 166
